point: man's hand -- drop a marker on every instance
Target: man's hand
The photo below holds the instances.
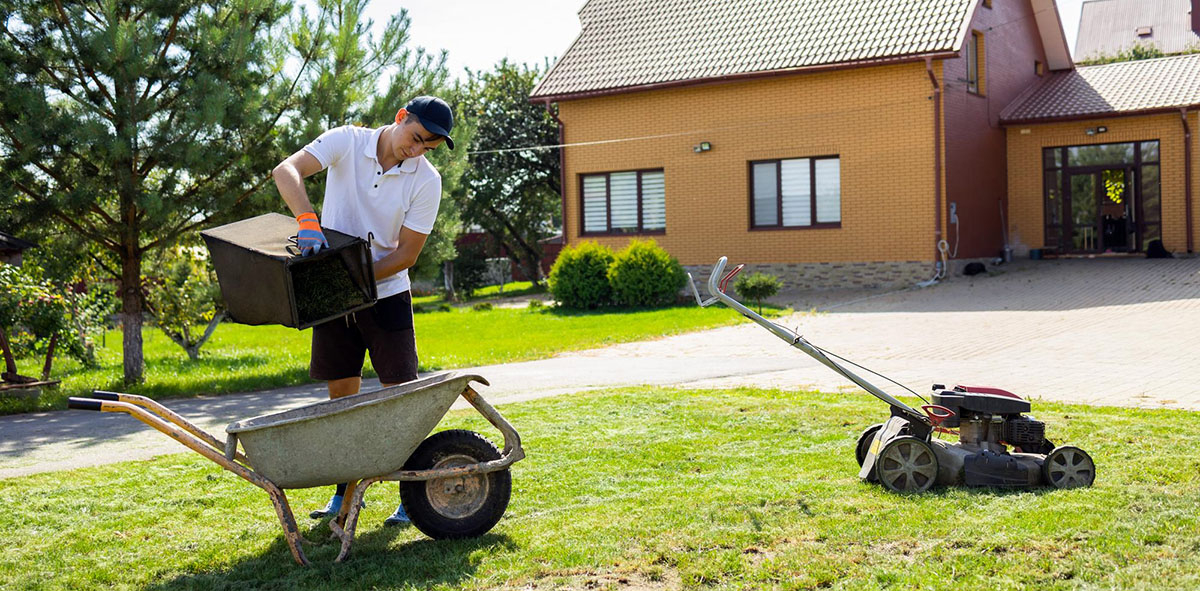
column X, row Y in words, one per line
column 310, row 238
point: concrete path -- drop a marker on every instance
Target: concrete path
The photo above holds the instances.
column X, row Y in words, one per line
column 1101, row 331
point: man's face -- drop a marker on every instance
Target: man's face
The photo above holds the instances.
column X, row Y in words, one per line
column 411, row 139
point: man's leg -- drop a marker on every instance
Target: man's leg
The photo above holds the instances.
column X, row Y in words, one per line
column 388, row 332
column 338, row 352
column 339, row 389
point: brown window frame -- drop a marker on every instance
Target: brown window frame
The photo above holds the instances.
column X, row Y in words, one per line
column 974, row 58
column 812, row 193
column 609, row 231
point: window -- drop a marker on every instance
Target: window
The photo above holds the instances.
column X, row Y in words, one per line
column 974, row 71
column 987, row 3
column 1039, row 68
column 796, row 193
column 624, row 202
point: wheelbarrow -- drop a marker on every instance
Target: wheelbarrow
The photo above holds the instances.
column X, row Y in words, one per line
column 454, row 484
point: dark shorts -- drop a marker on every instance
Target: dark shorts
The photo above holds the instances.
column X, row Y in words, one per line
column 385, row 329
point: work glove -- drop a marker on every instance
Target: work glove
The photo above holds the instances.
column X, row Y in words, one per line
column 309, row 238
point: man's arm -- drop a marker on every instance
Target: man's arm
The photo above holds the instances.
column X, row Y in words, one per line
column 289, row 179
column 405, row 255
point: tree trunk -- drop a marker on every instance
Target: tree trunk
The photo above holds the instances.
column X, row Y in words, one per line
column 448, row 280
column 10, row 364
column 131, row 315
column 49, row 357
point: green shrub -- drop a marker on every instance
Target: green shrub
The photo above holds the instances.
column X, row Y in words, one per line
column 444, row 307
column 536, row 305
column 579, row 278
column 644, row 275
column 757, row 287
column 482, row 306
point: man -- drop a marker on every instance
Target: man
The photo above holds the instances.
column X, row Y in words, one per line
column 381, row 188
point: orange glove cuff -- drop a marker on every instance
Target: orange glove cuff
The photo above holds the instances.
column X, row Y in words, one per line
column 308, row 221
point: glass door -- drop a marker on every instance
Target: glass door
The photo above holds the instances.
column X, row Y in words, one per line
column 1082, row 217
column 1118, row 224
column 1102, row 198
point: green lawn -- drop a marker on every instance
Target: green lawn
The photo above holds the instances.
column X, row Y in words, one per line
column 241, row 358
column 650, row 489
column 490, row 292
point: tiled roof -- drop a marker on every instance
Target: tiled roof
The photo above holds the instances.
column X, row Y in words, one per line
column 1111, row 89
column 1108, row 26
column 629, row 43
column 10, row 242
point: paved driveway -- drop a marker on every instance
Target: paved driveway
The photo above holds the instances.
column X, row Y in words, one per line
column 1119, row 332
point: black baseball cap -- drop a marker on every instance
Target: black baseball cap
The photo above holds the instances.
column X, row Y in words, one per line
column 434, row 114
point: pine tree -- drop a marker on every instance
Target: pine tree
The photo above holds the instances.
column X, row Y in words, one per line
column 133, row 122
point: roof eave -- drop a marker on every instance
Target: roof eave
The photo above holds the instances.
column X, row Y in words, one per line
column 1107, row 115
column 1054, row 40
column 916, row 57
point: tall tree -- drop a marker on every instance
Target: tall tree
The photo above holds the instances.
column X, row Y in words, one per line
column 358, row 79
column 135, row 121
column 512, row 193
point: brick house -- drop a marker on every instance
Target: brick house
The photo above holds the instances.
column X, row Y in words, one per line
column 838, row 142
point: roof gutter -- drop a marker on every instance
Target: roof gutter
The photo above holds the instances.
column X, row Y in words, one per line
column 745, row 76
column 562, row 166
column 937, row 159
column 1187, row 175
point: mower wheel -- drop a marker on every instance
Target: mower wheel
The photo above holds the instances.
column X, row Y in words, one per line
column 1068, row 467
column 864, row 442
column 907, row 464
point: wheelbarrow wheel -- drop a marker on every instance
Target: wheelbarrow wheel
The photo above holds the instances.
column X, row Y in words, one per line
column 462, row 506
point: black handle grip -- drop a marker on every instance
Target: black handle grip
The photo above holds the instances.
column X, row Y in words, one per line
column 102, row 395
column 83, row 404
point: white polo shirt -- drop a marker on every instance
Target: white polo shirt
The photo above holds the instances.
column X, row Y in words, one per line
column 362, row 199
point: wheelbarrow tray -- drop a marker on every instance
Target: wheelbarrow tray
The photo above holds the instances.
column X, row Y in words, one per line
column 349, row 438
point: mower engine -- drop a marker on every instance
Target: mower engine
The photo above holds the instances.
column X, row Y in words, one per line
column 998, row 445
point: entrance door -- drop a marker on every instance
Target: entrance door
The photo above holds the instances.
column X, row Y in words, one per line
column 1083, row 228
column 1101, row 210
column 1102, row 197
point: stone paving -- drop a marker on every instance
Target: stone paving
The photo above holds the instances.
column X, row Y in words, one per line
column 1119, row 331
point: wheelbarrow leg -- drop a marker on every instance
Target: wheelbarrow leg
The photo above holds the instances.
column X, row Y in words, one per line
column 349, row 507
column 290, row 532
column 355, row 497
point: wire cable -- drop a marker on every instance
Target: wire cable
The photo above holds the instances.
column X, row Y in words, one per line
column 867, row 369
column 739, row 127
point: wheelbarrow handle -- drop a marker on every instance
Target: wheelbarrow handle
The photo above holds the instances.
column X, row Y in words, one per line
column 74, row 403
column 167, row 414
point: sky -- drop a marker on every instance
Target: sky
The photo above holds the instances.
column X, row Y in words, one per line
column 479, row 33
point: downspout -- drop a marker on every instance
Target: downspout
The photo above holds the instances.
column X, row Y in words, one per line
column 1187, row 175
column 937, row 166
column 562, row 168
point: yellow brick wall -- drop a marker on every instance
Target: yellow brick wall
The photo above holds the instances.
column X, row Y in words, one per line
column 1026, row 214
column 877, row 119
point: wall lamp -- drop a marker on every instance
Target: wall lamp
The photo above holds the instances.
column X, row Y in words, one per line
column 1095, row 130
column 701, row 147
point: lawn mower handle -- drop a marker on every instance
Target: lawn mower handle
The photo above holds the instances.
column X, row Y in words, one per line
column 716, row 285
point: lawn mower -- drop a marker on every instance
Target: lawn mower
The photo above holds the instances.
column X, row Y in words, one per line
column 998, row 444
